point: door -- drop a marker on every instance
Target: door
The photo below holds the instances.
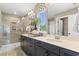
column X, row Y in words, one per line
column 52, row 27
column 60, row 27
column 65, row 26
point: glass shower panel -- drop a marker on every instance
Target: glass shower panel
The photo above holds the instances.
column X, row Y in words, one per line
column 4, row 33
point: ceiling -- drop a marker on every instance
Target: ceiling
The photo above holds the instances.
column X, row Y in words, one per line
column 19, row 9
column 56, row 8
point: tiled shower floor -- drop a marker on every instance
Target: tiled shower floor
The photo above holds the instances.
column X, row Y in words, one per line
column 9, row 39
column 13, row 49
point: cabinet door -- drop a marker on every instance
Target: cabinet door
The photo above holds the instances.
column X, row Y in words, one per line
column 28, row 48
column 51, row 54
column 31, row 49
column 39, row 51
column 22, row 42
column 66, row 52
column 52, row 48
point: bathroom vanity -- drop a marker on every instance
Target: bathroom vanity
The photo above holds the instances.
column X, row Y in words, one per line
column 49, row 46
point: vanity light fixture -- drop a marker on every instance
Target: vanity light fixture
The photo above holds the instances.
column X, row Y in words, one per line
column 78, row 10
column 27, row 10
column 30, row 12
column 18, row 21
column 22, row 18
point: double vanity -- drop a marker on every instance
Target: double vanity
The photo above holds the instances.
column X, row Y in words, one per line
column 49, row 45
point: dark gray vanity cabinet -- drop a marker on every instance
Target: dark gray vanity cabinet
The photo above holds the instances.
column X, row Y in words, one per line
column 33, row 47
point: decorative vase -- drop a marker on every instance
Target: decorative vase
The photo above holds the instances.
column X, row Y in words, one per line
column 35, row 27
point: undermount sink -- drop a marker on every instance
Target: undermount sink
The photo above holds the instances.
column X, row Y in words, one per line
column 54, row 40
column 49, row 39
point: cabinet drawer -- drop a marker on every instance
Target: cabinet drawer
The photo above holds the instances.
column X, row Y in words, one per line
column 51, row 54
column 66, row 52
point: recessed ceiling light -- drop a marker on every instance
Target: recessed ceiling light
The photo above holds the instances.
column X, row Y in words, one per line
column 14, row 12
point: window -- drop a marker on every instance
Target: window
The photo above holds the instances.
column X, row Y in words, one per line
column 42, row 17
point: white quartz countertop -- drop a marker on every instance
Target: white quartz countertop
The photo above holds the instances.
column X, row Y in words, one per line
column 71, row 43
